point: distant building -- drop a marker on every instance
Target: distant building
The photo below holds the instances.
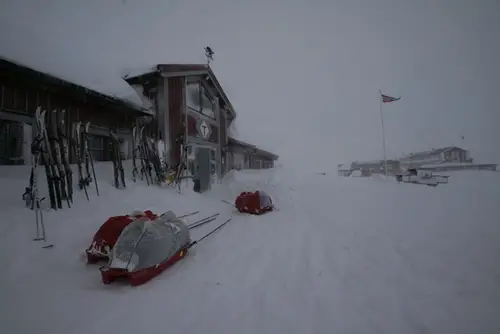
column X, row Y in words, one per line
column 457, row 166
column 242, row 155
column 343, row 170
column 436, row 156
column 368, row 168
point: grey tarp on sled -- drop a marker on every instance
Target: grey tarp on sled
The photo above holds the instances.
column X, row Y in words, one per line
column 145, row 243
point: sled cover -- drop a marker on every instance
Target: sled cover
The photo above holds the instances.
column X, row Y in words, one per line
column 105, row 238
column 146, row 243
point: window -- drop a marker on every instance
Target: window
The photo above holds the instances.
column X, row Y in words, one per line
column 20, row 96
column 97, row 148
column 9, row 97
column 199, row 100
column 11, row 143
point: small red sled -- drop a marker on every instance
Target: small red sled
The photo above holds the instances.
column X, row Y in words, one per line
column 257, row 202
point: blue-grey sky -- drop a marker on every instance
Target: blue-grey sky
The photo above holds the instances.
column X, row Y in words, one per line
column 303, row 75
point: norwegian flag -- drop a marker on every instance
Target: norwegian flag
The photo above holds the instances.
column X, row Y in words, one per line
column 387, row 98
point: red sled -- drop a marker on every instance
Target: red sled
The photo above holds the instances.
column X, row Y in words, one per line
column 257, row 202
column 145, row 248
column 105, row 238
column 109, row 275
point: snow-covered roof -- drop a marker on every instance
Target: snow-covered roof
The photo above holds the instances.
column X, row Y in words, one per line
column 146, row 102
column 138, row 71
column 91, row 63
column 52, row 60
column 135, row 75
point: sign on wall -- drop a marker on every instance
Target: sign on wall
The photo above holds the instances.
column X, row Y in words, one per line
column 204, row 129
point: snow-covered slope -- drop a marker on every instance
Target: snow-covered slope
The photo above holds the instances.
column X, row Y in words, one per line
column 342, row 255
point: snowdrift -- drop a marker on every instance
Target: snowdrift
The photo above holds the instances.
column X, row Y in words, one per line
column 341, row 244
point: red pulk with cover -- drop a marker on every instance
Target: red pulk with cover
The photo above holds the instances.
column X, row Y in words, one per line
column 257, row 202
column 105, row 238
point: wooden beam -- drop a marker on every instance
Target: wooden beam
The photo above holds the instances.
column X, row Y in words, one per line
column 182, row 73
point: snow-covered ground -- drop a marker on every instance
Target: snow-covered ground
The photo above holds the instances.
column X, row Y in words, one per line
column 342, row 255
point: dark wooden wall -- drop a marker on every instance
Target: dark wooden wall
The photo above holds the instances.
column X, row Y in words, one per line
column 23, row 90
column 176, row 123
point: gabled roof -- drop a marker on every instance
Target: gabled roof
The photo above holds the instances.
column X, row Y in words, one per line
column 173, row 70
column 128, row 103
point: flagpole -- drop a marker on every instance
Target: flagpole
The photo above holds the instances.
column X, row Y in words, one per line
column 383, row 132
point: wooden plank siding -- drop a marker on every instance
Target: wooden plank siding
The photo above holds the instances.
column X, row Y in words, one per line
column 175, row 117
column 23, row 90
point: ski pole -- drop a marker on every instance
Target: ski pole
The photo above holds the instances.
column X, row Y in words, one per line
column 189, row 214
column 210, row 233
column 190, row 227
column 224, row 201
column 203, row 219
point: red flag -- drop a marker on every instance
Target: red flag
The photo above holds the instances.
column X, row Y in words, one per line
column 387, row 98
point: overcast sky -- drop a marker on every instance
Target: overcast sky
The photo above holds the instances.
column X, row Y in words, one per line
column 303, row 76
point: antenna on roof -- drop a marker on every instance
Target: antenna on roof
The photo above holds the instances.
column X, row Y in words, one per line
column 209, row 53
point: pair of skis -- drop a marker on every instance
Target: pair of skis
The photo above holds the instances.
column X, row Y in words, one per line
column 83, row 157
column 118, row 170
column 145, row 150
column 41, row 151
column 179, row 171
column 50, row 146
column 140, row 150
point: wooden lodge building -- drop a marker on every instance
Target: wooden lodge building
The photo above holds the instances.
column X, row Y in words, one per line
column 23, row 89
column 184, row 107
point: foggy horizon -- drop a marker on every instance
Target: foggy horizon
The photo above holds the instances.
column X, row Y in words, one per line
column 304, row 77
